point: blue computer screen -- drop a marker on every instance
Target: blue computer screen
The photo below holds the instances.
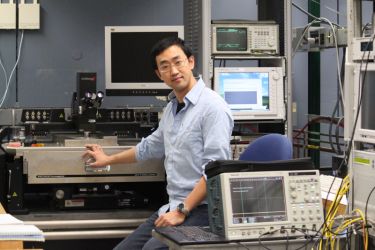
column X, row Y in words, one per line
column 245, row 91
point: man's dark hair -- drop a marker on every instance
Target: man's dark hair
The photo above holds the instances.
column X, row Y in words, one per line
column 164, row 44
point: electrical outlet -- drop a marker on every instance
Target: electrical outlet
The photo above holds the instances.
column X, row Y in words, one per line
column 29, row 15
column 7, row 15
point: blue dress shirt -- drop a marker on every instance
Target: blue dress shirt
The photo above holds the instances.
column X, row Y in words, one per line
column 200, row 132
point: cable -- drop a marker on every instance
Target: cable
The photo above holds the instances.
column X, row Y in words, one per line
column 316, row 119
column 337, row 135
column 5, row 72
column 260, row 240
column 243, row 245
column 303, row 36
column 336, row 108
column 329, row 232
column 12, row 72
column 304, row 11
column 318, row 20
column 308, row 237
column 368, row 199
column 337, row 58
column 337, row 12
column 309, row 14
column 287, row 240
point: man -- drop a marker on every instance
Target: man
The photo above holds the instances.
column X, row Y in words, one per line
column 195, row 128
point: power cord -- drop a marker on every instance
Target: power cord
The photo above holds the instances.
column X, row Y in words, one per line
column 7, row 84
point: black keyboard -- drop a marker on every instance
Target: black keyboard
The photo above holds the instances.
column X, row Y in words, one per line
column 190, row 235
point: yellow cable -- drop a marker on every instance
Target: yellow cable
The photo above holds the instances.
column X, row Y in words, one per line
column 331, row 214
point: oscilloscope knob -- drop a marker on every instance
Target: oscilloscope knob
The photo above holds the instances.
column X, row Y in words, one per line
column 292, row 185
column 59, row 194
column 293, row 194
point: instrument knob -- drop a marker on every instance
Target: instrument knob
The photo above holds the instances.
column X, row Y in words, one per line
column 59, row 194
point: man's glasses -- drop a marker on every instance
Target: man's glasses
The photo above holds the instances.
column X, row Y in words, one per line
column 167, row 67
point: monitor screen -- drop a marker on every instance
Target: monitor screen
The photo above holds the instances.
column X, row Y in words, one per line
column 231, row 39
column 245, row 90
column 128, row 60
column 251, row 93
column 258, row 199
column 364, row 92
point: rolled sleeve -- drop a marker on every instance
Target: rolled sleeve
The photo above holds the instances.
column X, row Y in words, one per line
column 217, row 131
column 151, row 147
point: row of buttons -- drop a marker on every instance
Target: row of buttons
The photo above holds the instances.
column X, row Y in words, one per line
column 304, row 180
column 36, row 115
column 123, row 115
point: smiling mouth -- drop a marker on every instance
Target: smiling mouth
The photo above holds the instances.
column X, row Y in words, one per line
column 176, row 79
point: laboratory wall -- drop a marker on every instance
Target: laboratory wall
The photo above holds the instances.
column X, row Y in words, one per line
column 71, row 40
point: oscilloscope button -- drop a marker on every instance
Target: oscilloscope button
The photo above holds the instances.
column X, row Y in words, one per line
column 275, row 76
column 270, row 42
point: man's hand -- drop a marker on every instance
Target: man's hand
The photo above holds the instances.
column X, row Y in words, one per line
column 172, row 218
column 96, row 152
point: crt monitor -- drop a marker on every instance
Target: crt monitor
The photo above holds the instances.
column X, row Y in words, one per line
column 230, row 39
column 244, row 38
column 252, row 93
column 128, row 69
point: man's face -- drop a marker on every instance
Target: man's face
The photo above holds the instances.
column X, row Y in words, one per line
column 175, row 69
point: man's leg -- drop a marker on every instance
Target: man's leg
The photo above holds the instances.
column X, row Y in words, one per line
column 140, row 236
column 142, row 239
column 154, row 244
column 197, row 217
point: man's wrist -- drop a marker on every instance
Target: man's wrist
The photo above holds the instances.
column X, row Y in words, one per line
column 181, row 208
column 110, row 159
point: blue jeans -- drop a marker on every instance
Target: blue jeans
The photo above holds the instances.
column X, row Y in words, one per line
column 141, row 238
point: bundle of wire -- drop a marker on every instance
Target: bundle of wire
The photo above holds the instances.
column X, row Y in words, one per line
column 336, row 226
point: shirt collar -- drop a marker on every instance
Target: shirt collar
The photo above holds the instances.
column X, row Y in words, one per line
column 193, row 95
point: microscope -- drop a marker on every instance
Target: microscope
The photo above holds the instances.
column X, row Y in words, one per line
column 86, row 102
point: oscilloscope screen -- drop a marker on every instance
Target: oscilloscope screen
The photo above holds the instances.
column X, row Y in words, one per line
column 258, row 199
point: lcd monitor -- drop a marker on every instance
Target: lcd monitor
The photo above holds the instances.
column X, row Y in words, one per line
column 252, row 93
